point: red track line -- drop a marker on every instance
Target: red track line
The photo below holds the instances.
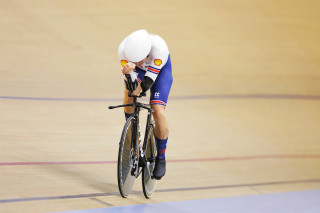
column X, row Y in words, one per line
column 172, row 161
column 56, row 163
column 246, row 158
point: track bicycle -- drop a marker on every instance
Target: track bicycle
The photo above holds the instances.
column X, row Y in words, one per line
column 135, row 157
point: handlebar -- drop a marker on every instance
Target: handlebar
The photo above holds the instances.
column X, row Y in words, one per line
column 142, row 94
column 131, row 88
column 135, row 104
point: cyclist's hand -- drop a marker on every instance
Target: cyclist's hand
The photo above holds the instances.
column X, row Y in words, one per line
column 128, row 68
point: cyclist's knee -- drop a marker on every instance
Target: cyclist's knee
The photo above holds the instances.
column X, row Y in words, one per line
column 159, row 112
column 126, row 92
column 162, row 128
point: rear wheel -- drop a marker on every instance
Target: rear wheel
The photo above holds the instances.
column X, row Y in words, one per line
column 148, row 182
column 127, row 157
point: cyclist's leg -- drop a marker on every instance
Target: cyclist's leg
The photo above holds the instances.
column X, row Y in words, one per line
column 161, row 129
column 162, row 126
column 127, row 100
column 158, row 99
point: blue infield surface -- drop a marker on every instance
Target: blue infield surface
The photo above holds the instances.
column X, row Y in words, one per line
column 297, row 202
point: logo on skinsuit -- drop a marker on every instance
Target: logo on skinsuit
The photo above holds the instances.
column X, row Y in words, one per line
column 123, row 62
column 158, row 62
column 162, row 151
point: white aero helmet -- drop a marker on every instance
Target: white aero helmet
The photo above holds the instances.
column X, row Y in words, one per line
column 137, row 46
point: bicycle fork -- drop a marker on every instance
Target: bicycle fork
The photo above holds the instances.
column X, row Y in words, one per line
column 136, row 159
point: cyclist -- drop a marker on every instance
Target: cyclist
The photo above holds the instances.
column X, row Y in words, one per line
column 146, row 60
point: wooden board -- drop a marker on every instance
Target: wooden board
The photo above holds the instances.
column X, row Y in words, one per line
column 244, row 110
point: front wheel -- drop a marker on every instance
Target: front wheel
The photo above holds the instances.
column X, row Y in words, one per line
column 127, row 157
column 148, row 182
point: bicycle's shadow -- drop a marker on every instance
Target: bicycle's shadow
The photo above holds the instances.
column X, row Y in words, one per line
column 82, row 177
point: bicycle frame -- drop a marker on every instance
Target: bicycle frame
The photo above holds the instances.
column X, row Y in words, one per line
column 137, row 108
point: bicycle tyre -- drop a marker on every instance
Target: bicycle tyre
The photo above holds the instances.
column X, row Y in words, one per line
column 125, row 178
column 148, row 182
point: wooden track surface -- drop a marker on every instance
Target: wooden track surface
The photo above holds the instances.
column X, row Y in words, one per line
column 244, row 109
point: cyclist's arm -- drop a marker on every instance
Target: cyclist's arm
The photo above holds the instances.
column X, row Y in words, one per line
column 144, row 86
column 153, row 71
column 138, row 90
column 130, row 77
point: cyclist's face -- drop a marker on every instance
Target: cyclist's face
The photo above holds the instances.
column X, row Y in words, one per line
column 141, row 62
